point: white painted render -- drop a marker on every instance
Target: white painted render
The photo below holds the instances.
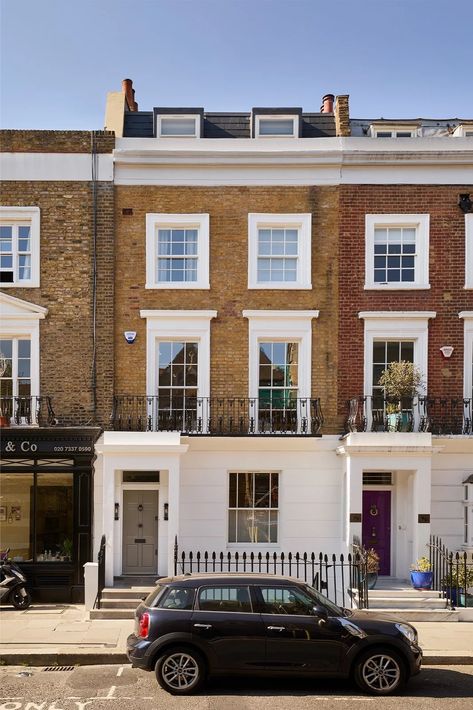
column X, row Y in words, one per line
column 74, row 167
column 293, row 161
column 320, row 486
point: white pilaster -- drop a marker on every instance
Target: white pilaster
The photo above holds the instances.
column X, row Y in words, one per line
column 421, row 503
column 174, row 504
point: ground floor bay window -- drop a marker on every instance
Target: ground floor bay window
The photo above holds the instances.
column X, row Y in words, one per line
column 253, row 512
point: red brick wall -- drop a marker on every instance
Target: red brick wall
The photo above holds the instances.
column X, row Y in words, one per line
column 446, row 295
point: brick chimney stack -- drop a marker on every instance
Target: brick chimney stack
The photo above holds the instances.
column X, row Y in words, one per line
column 327, row 103
column 342, row 116
column 128, row 90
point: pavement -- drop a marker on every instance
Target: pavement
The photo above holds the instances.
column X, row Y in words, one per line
column 62, row 634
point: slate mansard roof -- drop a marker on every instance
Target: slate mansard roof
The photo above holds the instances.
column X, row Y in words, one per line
column 140, row 124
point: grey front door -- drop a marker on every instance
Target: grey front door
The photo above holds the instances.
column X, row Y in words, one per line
column 140, row 532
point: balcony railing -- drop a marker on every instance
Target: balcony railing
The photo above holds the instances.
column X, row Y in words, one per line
column 218, row 416
column 27, row 411
column 438, row 415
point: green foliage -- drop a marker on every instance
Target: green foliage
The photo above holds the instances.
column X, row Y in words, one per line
column 422, row 565
column 401, row 380
column 460, row 577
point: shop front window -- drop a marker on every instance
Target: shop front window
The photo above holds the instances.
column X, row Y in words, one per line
column 16, row 515
column 36, row 516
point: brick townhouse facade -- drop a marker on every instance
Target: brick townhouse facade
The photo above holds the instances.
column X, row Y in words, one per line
column 56, row 342
column 244, row 301
column 241, row 399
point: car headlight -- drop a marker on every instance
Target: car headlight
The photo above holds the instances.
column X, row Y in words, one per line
column 408, row 632
column 352, row 628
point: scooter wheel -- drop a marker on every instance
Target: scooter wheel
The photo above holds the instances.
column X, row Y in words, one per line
column 19, row 601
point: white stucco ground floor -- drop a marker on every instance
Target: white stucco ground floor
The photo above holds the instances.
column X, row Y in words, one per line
column 285, row 494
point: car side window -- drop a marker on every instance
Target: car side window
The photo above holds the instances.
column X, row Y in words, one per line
column 231, row 598
column 286, row 600
column 177, row 598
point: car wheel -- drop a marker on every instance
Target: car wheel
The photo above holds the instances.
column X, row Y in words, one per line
column 380, row 672
column 19, row 600
column 180, row 671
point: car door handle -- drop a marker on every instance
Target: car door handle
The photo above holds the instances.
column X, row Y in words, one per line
column 203, row 626
column 276, row 628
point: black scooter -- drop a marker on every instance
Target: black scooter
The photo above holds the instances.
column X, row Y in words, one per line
column 12, row 584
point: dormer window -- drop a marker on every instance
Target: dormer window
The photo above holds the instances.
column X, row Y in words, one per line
column 276, row 124
column 392, row 131
column 172, row 123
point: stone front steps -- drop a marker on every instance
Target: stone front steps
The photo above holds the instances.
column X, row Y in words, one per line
column 399, row 601
column 120, row 602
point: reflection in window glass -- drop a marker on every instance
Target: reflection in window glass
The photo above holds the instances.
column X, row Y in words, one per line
column 16, row 508
column 54, row 517
column 225, row 599
column 253, row 507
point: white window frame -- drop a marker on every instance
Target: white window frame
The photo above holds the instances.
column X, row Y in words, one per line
column 185, row 116
column 396, row 325
column 187, row 326
column 303, row 223
column 467, row 317
column 31, row 215
column 421, row 223
column 281, row 326
column 159, row 220
column 20, row 319
column 277, row 117
column 240, row 545
column 469, row 250
column 393, row 129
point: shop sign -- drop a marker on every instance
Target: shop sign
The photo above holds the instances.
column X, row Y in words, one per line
column 24, row 446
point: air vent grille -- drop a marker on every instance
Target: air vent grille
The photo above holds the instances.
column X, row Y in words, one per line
column 381, row 478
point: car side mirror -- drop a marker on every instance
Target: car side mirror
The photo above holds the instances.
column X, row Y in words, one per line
column 321, row 612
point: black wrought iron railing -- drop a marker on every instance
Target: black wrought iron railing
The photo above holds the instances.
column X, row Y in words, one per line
column 438, row 415
column 341, row 578
column 101, row 572
column 27, row 411
column 218, row 416
column 452, row 574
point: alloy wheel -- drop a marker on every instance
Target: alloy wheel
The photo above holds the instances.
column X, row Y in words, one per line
column 381, row 673
column 180, row 671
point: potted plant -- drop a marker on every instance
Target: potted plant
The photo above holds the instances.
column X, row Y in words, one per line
column 457, row 583
column 401, row 382
column 421, row 574
column 372, row 567
column 67, row 549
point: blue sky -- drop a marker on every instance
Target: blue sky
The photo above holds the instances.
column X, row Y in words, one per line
column 396, row 58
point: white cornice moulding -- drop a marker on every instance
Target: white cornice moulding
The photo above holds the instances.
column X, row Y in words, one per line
column 410, row 315
column 13, row 308
column 465, row 314
column 280, row 314
column 178, row 314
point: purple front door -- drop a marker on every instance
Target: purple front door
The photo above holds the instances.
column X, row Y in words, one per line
column 376, row 526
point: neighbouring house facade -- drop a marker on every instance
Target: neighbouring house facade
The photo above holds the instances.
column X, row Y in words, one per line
column 213, row 301
column 255, row 310
column 56, row 347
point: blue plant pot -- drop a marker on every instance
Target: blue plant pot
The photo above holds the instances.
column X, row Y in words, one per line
column 421, row 580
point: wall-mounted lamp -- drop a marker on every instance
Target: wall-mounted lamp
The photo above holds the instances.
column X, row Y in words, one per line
column 447, row 351
column 117, row 511
column 465, row 203
column 166, row 511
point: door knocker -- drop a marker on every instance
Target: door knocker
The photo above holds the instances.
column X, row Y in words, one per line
column 140, row 507
column 374, row 510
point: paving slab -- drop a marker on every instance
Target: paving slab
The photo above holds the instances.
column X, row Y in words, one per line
column 70, row 638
